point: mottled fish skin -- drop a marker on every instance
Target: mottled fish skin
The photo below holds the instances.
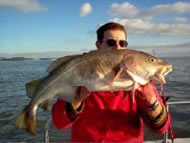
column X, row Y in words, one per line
column 99, row 70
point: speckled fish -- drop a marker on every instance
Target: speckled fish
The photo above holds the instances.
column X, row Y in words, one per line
column 99, row 70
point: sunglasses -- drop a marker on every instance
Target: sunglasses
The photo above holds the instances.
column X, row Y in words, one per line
column 112, row 42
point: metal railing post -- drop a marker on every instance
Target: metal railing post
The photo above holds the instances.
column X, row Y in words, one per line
column 166, row 133
column 46, row 128
column 173, row 103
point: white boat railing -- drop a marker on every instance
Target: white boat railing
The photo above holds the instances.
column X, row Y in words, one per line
column 46, row 130
column 168, row 105
column 49, row 122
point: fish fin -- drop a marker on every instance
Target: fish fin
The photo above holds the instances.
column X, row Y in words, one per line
column 133, row 95
column 44, row 105
column 25, row 120
column 135, row 85
column 117, row 70
column 128, row 63
column 32, row 86
column 55, row 64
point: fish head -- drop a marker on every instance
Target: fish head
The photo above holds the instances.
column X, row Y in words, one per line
column 163, row 68
column 143, row 67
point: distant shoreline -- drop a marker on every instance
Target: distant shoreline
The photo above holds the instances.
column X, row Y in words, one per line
column 23, row 59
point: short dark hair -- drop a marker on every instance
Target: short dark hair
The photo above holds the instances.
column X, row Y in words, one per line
column 108, row 26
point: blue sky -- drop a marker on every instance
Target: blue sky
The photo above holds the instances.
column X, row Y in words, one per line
column 31, row 26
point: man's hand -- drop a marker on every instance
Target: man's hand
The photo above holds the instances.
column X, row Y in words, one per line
column 82, row 94
column 148, row 94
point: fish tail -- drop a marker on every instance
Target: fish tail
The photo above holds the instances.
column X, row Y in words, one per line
column 26, row 120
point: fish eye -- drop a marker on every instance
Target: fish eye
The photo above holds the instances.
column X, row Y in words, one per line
column 152, row 59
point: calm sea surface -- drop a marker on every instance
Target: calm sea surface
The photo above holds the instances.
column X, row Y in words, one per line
column 14, row 75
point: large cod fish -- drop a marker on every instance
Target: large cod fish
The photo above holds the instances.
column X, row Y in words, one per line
column 99, row 70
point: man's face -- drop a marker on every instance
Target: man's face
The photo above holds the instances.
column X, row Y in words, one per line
column 113, row 39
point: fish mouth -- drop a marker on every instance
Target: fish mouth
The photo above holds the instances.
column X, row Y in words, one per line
column 159, row 78
column 160, row 75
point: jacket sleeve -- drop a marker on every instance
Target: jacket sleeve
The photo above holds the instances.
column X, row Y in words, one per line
column 59, row 115
column 64, row 115
column 162, row 123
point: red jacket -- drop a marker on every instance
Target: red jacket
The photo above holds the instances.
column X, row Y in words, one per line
column 106, row 117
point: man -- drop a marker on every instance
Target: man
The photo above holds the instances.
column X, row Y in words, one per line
column 105, row 116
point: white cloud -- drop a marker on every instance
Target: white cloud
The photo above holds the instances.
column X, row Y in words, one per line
column 175, row 8
column 85, row 9
column 139, row 26
column 180, row 19
column 125, row 10
column 142, row 21
column 180, row 7
column 23, row 5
